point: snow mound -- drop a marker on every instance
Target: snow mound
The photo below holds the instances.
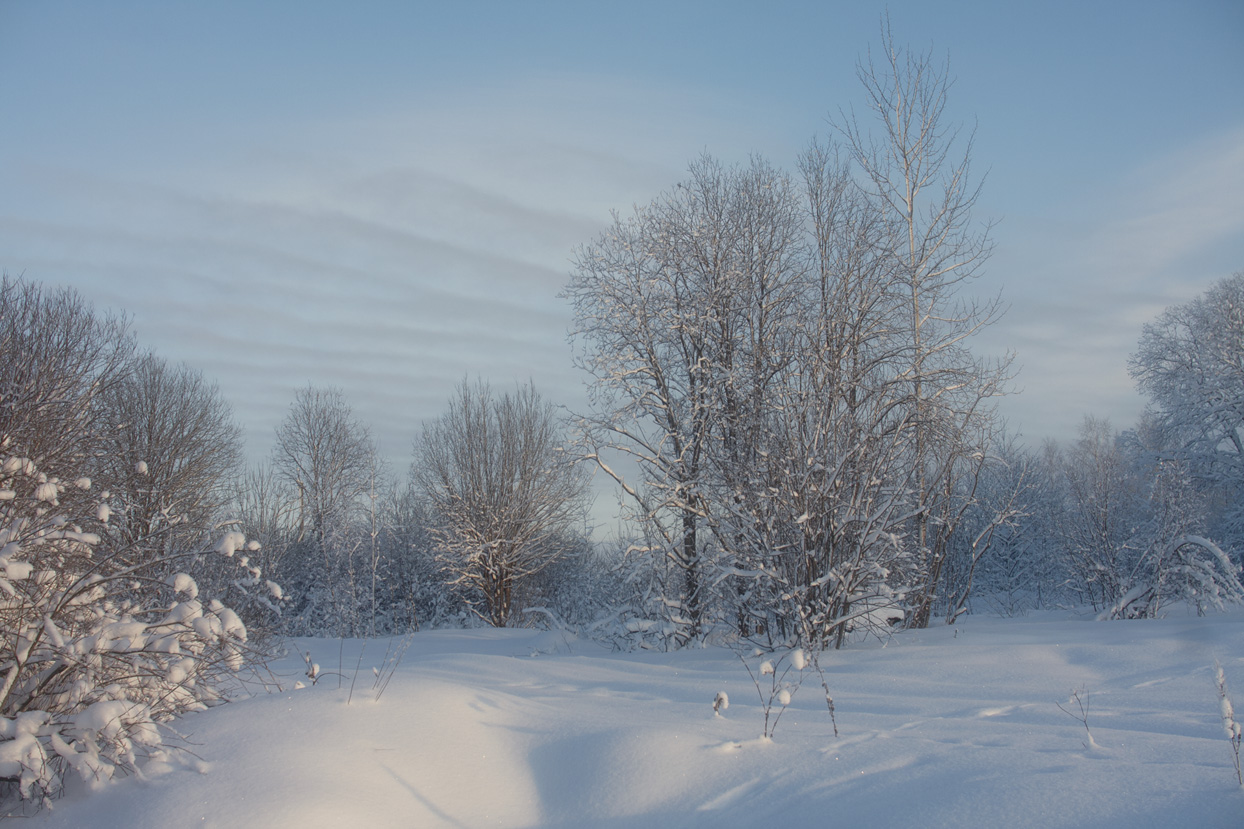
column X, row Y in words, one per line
column 522, row 729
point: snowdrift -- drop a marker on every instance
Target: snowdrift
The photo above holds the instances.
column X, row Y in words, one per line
column 953, row 726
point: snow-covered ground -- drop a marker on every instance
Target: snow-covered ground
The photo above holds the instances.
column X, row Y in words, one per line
column 946, row 727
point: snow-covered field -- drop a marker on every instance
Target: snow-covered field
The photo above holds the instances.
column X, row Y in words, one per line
column 946, row 727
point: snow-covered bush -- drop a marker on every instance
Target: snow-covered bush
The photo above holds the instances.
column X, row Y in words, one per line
column 99, row 643
column 1131, row 529
column 639, row 613
column 571, row 590
column 1166, row 557
column 1190, row 569
column 780, row 689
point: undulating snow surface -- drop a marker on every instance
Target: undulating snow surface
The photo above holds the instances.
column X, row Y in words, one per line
column 946, row 727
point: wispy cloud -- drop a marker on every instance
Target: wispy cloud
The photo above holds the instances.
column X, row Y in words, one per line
column 1175, row 213
column 389, row 254
column 1080, row 296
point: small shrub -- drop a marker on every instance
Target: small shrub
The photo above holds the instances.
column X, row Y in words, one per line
column 780, row 690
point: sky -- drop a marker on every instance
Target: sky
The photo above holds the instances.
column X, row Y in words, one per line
column 386, row 197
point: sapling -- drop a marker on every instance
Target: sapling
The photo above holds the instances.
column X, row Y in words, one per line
column 1080, row 698
column 353, row 679
column 1229, row 723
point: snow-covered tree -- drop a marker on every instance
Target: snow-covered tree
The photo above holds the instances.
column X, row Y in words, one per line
column 1190, row 362
column 327, row 460
column 1024, row 569
column 169, row 453
column 991, row 528
column 675, row 312
column 1179, row 563
column 1098, row 516
column 918, row 174
column 416, row 594
column 789, row 373
column 171, row 448
column 809, row 506
column 503, row 490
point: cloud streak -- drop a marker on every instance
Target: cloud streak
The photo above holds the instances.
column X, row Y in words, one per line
column 1080, row 296
column 388, row 267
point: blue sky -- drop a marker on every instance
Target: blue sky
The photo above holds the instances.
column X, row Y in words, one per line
column 385, row 197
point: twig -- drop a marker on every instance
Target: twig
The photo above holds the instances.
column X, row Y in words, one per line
column 1234, row 733
column 353, row 679
column 1080, row 697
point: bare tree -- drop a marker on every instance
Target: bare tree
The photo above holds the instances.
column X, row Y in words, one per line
column 502, row 488
column 326, row 455
column 910, row 169
column 171, row 448
column 678, row 311
column 327, row 458
column 57, row 356
column 267, row 511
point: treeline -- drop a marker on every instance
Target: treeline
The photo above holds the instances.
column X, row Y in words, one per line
column 1129, row 521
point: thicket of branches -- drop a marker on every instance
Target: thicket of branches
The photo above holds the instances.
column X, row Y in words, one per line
column 504, row 491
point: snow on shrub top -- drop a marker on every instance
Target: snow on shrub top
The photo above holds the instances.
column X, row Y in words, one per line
column 108, row 640
column 231, row 543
